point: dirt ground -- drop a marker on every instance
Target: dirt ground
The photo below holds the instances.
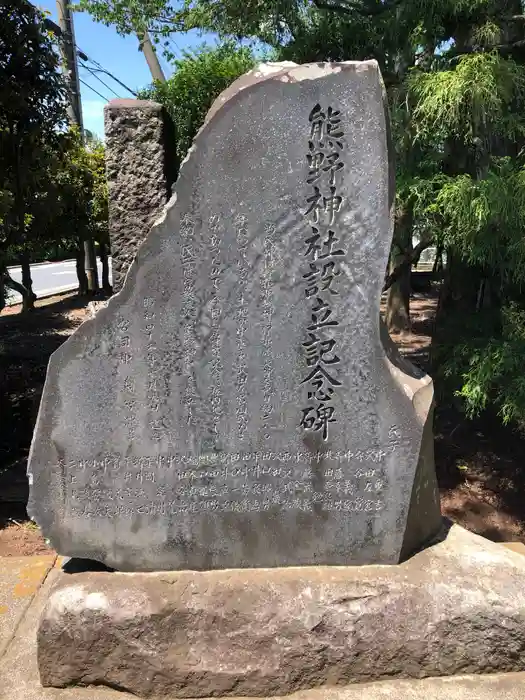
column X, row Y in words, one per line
column 480, row 464
column 26, row 342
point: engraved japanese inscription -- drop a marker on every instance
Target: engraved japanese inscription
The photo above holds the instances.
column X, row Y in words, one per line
column 323, row 256
column 237, row 404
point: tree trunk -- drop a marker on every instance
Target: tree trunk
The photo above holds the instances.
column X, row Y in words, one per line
column 91, row 265
column 398, row 299
column 81, row 270
column 29, row 300
column 103, row 252
column 460, row 291
column 2, row 290
column 13, row 284
column 438, row 260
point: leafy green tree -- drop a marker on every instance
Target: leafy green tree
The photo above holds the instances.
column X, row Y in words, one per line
column 455, row 74
column 78, row 182
column 199, row 77
column 32, row 110
column 99, row 207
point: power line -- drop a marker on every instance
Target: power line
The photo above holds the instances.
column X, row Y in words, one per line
column 53, row 27
column 93, row 89
column 93, row 73
column 176, row 47
column 101, row 68
column 69, row 62
column 69, row 52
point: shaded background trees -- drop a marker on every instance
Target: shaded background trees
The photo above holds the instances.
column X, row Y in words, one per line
column 455, row 77
column 32, row 110
column 52, row 186
column 199, row 77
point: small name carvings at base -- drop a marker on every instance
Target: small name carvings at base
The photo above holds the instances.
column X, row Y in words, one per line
column 226, row 483
column 114, row 510
column 253, row 461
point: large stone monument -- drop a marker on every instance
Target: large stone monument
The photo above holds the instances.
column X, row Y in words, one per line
column 237, row 403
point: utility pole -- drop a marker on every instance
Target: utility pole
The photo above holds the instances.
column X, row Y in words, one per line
column 151, row 57
column 69, row 53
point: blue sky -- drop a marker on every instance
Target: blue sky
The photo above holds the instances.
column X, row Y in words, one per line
column 119, row 55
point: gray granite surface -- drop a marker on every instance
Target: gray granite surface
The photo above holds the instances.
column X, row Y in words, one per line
column 237, row 404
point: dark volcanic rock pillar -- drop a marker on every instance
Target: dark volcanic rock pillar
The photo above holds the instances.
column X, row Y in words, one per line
column 141, row 168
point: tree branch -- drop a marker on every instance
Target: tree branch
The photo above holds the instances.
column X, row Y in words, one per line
column 407, row 263
column 328, row 6
column 509, row 47
column 350, row 7
column 478, row 49
column 17, row 286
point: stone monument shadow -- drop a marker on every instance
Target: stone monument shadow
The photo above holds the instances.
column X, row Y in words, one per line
column 75, row 565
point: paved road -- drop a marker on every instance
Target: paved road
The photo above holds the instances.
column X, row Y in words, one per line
column 49, row 278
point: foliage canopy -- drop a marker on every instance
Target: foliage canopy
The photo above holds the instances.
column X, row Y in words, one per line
column 455, row 74
column 199, row 77
column 52, row 189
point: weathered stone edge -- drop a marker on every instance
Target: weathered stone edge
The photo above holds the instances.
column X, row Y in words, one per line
column 250, row 81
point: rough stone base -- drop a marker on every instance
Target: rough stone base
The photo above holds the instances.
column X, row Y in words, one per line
column 455, row 608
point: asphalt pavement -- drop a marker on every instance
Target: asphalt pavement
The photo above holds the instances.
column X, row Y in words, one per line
column 49, row 278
